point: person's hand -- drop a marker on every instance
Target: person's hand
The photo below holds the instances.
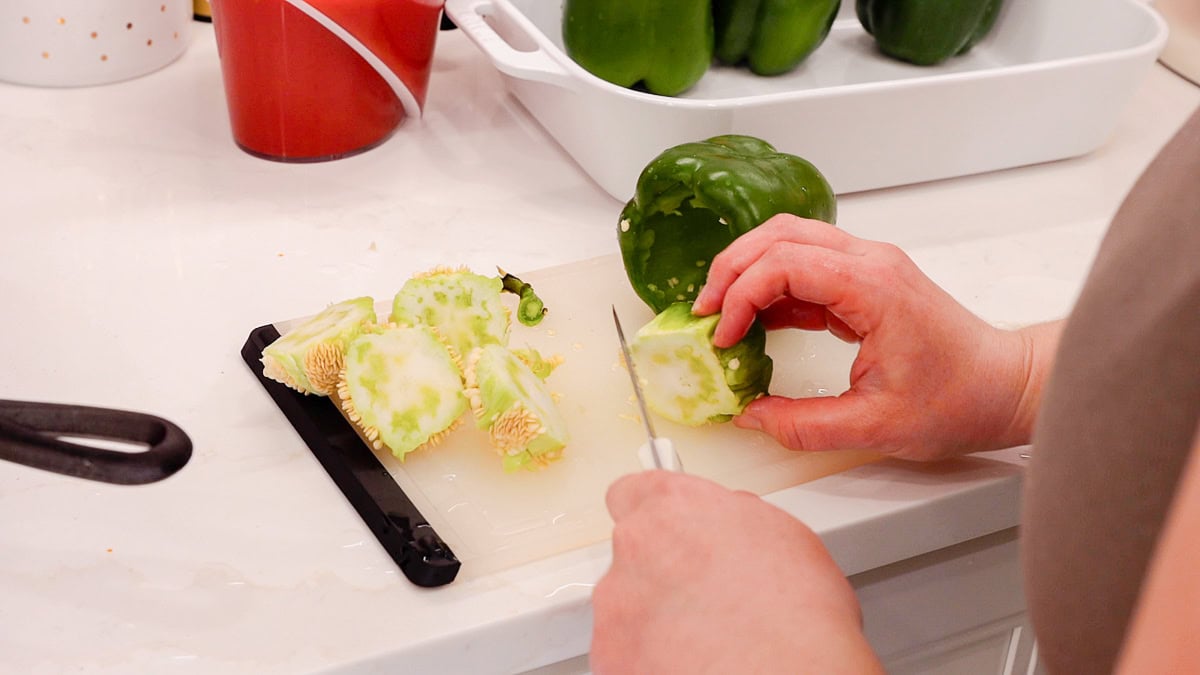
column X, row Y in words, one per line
column 707, row 580
column 931, row 379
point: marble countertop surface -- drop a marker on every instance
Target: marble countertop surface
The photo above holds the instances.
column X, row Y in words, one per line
column 140, row 246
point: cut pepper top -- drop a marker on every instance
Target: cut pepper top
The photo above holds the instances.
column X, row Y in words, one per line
column 694, row 199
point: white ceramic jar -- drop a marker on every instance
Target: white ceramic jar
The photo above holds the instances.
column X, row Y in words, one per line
column 74, row 43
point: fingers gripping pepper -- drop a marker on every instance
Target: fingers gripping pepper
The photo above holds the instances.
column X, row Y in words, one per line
column 694, row 199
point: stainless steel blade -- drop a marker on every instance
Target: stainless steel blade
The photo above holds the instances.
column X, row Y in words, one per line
column 637, row 390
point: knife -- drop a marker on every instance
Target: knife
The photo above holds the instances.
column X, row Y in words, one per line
column 657, row 452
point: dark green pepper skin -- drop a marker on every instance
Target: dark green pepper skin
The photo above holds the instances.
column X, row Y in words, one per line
column 667, row 45
column 927, row 32
column 694, row 199
column 771, row 36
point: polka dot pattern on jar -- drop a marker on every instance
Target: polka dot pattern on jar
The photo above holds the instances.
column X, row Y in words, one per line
column 87, row 42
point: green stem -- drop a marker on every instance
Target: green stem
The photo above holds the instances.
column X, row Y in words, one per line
column 530, row 309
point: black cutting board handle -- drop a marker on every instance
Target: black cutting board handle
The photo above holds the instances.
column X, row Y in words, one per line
column 392, row 517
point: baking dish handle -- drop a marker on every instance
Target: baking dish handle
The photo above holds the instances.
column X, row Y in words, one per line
column 537, row 65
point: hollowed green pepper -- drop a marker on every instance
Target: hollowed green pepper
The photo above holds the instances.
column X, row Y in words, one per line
column 694, row 199
column 927, row 32
column 666, row 45
column 771, row 36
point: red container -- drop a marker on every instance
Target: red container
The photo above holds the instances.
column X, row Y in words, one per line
column 311, row 80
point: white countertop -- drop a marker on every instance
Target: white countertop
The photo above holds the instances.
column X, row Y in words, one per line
column 141, row 246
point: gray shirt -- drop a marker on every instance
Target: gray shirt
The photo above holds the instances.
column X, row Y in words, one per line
column 1119, row 413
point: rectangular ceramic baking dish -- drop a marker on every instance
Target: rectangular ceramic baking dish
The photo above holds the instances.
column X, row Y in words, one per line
column 1048, row 83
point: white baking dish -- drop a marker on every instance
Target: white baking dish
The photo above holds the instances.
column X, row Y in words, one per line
column 1048, row 83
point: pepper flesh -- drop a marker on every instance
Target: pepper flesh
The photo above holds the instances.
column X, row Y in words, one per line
column 694, row 199
column 771, row 36
column 401, row 387
column 927, row 32
column 516, row 408
column 463, row 307
column 666, row 45
column 688, row 380
column 310, row 356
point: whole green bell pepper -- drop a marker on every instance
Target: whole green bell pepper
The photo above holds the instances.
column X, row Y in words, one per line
column 667, row 45
column 771, row 36
column 927, row 32
column 694, row 199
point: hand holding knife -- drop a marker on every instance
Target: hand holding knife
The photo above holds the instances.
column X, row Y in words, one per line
column 658, row 452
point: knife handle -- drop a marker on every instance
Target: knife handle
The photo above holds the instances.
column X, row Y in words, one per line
column 668, row 459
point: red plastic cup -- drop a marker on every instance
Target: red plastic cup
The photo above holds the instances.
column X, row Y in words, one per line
column 312, row 80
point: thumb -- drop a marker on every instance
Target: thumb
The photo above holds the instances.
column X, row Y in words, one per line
column 628, row 492
column 652, row 489
column 841, row 422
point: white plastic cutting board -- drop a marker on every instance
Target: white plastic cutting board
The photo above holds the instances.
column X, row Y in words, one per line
column 494, row 520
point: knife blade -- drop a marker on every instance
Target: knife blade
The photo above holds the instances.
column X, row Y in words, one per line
column 658, row 450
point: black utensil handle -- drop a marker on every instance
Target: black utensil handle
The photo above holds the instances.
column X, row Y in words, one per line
column 395, row 521
column 29, row 435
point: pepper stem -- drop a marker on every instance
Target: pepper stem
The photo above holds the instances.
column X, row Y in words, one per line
column 530, row 309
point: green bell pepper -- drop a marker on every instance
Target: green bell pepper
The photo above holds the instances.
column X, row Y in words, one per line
column 694, row 199
column 667, row 45
column 927, row 32
column 771, row 36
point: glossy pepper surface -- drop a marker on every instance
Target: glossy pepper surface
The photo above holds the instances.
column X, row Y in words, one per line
column 927, row 32
column 666, row 45
column 771, row 36
column 694, row 199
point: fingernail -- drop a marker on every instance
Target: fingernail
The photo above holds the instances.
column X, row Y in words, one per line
column 747, row 422
column 718, row 339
